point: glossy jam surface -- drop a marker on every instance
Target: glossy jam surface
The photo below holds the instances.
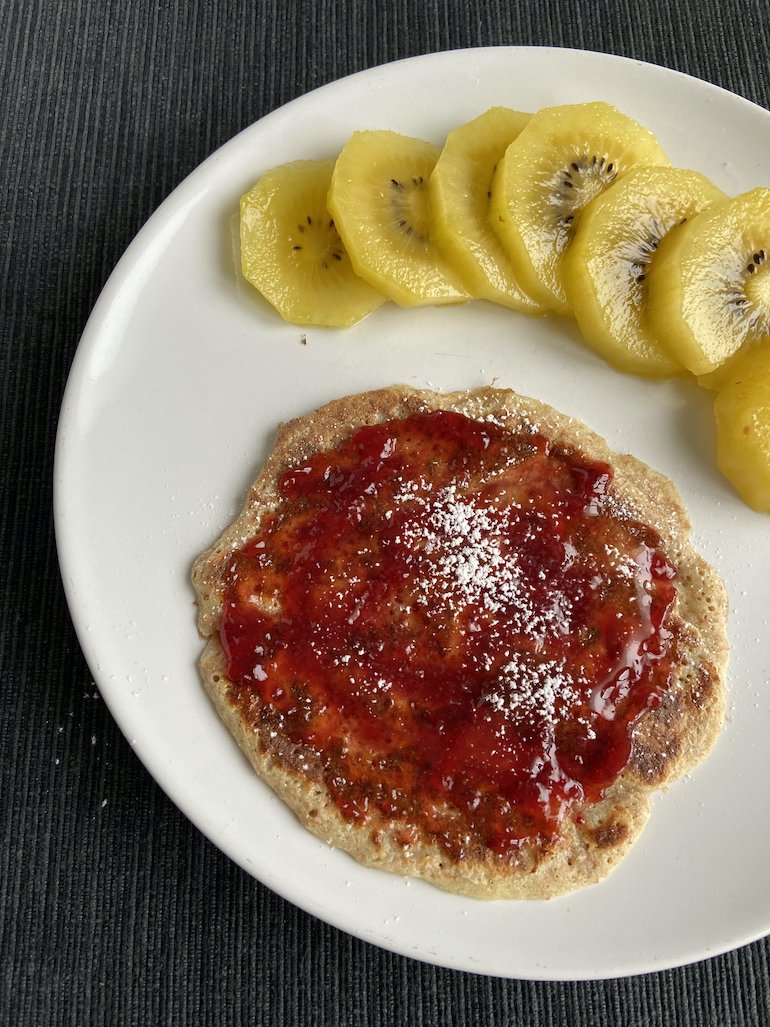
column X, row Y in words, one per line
column 455, row 624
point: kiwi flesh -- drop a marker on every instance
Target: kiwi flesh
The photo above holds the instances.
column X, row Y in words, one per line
column 561, row 160
column 710, row 286
column 380, row 204
column 742, row 412
column 460, row 190
column 292, row 253
column 605, row 267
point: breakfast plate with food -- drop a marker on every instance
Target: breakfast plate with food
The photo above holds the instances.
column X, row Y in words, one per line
column 412, row 487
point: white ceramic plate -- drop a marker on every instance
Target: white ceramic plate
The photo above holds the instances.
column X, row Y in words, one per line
column 180, row 378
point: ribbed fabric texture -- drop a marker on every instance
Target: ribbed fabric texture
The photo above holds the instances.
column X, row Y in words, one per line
column 113, row 909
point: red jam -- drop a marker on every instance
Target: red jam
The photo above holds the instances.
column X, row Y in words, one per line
column 456, row 623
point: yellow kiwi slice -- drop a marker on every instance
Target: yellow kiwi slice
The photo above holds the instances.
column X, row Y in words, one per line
column 604, row 269
column 709, row 287
column 292, row 252
column 742, row 411
column 460, row 189
column 380, row 205
column 559, row 162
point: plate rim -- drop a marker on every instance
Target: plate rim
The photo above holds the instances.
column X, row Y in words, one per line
column 76, row 387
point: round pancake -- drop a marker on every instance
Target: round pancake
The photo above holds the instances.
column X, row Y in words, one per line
column 668, row 740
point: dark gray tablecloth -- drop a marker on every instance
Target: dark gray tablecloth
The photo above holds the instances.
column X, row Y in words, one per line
column 114, row 909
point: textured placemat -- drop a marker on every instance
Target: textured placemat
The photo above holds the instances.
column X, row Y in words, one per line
column 113, row 908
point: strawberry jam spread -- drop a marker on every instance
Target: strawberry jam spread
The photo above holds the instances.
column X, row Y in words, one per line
column 454, row 625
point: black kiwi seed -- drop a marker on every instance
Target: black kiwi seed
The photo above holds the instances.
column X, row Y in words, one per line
column 489, row 191
column 400, row 206
column 593, row 165
column 296, row 247
column 647, row 248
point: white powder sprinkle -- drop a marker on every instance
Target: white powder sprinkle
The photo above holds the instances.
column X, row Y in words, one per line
column 527, row 688
column 469, row 562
